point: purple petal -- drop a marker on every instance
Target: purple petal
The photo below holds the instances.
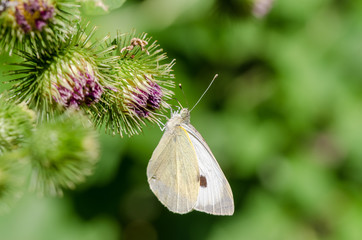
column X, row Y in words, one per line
column 39, row 24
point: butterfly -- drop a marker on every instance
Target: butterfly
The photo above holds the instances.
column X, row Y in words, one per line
column 184, row 174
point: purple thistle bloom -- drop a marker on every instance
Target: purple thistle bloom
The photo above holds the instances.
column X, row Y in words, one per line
column 47, row 14
column 146, row 101
column 92, row 90
column 140, row 103
column 21, row 21
column 155, row 96
column 142, row 112
column 32, row 7
column 34, row 15
column 39, row 24
column 86, row 90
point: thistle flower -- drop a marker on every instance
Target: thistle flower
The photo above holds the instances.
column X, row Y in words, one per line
column 70, row 74
column 77, row 89
column 142, row 102
column 140, row 86
column 15, row 125
column 33, row 15
column 34, row 21
column 62, row 153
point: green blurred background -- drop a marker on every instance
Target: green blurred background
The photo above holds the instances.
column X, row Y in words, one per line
column 284, row 120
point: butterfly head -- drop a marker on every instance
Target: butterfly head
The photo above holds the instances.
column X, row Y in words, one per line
column 178, row 117
column 185, row 114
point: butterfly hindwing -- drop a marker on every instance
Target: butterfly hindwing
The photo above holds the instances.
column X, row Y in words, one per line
column 173, row 172
column 215, row 195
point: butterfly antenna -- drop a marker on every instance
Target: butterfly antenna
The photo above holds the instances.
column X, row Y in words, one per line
column 183, row 93
column 204, row 92
column 177, row 102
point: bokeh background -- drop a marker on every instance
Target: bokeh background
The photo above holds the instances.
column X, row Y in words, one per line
column 284, row 120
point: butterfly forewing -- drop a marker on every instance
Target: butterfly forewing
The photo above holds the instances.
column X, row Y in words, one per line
column 215, row 195
column 173, row 171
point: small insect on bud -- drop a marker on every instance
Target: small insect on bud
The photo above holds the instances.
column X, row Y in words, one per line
column 136, row 42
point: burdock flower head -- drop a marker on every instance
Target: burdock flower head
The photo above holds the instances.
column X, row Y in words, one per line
column 70, row 74
column 62, row 153
column 141, row 85
column 144, row 99
column 78, row 87
column 41, row 21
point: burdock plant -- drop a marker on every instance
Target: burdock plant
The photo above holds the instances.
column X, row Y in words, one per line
column 67, row 83
column 120, row 84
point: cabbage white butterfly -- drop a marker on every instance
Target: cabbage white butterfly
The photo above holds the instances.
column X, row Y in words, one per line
column 184, row 174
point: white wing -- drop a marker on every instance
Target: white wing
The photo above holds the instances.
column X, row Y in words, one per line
column 173, row 172
column 215, row 195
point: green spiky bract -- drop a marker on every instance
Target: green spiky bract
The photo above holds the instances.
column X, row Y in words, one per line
column 13, row 37
column 134, row 68
column 15, row 125
column 37, row 75
column 62, row 153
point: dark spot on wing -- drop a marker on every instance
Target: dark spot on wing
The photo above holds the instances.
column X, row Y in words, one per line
column 203, row 182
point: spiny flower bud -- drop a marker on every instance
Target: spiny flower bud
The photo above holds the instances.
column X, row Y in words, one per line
column 62, row 153
column 15, row 125
column 36, row 21
column 141, row 85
